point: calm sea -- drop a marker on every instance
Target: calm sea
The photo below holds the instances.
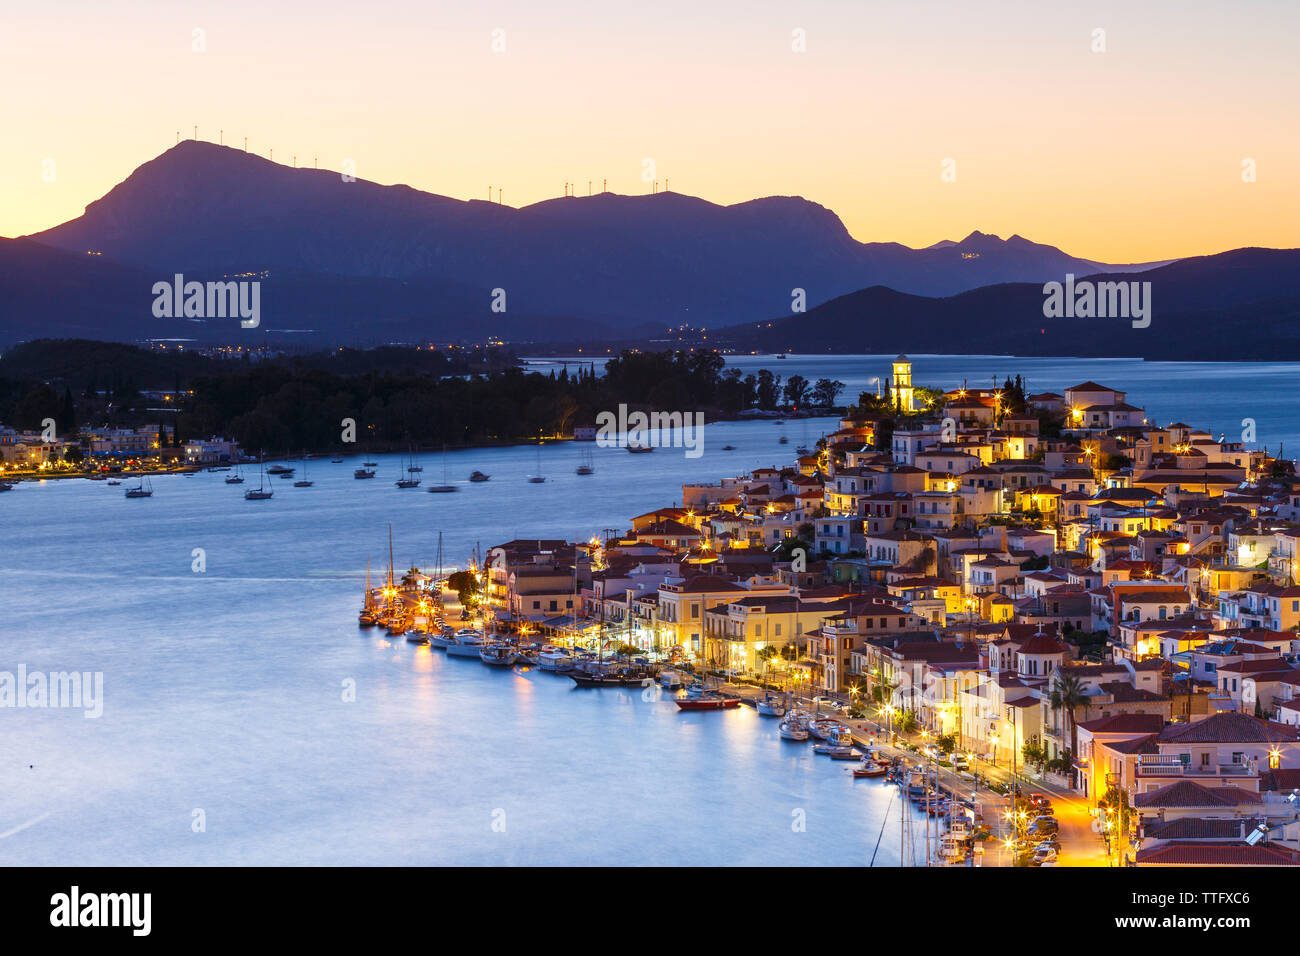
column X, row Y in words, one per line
column 228, row 733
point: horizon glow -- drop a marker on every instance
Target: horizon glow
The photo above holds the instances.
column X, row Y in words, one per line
column 1128, row 155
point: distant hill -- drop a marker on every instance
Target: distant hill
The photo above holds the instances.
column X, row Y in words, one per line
column 1241, row 305
column 371, row 262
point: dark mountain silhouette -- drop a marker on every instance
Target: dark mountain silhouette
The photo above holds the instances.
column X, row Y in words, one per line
column 620, row 262
column 1241, row 305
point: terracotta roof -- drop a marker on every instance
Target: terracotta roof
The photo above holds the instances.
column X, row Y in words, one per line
column 1189, row 793
column 1217, row 854
column 1229, row 727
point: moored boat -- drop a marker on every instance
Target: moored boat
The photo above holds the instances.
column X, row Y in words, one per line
column 709, row 700
column 793, row 728
column 477, row 476
column 465, row 643
column 497, row 653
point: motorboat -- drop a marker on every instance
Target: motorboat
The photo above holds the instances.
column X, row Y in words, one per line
column 554, row 658
column 478, row 476
column 465, row 643
column 870, row 768
column 497, row 653
column 793, row 729
column 363, row 473
column 443, row 639
column 279, row 470
column 771, row 706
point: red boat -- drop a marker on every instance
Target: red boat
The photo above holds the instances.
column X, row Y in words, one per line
column 872, row 770
column 708, row 702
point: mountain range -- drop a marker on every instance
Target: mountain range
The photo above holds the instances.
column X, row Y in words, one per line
column 359, row 262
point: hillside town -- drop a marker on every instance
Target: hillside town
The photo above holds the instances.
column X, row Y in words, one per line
column 1048, row 583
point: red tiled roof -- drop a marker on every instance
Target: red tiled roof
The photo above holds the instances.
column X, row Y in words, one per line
column 1178, row 853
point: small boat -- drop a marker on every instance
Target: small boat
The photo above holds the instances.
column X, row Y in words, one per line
column 237, row 478
column 771, row 706
column 709, row 700
column 588, row 467
column 782, row 440
column 417, row 637
column 670, row 679
column 370, row 464
column 142, row 490
column 793, row 730
column 536, row 479
column 363, row 473
column 303, row 482
column 639, row 449
column 261, row 492
column 6, row 486
column 336, row 461
column 597, row 680
column 443, row 640
column 111, row 481
column 398, row 626
column 728, row 447
column 407, row 482
column 477, row 476
column 554, row 658
column 802, row 452
column 440, row 489
column 498, row 654
column 832, row 750
column 279, row 470
column 870, row 769
column 781, row 356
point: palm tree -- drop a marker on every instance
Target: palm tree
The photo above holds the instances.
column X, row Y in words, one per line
column 1067, row 693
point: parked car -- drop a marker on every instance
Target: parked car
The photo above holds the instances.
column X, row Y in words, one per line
column 1044, row 854
column 959, row 762
column 1044, row 825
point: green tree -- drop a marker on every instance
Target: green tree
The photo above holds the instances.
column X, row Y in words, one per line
column 1067, row 693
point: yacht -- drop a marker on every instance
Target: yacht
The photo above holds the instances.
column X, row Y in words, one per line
column 466, row 643
column 363, row 473
column 477, row 476
column 261, row 492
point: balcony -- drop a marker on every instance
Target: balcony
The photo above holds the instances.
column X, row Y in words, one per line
column 1164, row 766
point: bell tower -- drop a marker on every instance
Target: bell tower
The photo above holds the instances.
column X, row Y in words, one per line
column 900, row 388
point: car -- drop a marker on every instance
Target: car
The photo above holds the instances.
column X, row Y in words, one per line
column 1052, row 842
column 959, row 762
column 1043, row 855
column 1044, row 825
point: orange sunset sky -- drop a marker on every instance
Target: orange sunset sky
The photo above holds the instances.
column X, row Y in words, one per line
column 1130, row 154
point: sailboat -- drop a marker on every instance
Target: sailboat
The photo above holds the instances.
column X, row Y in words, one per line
column 538, row 478
column 587, row 467
column 410, row 481
column 237, row 478
column 262, row 491
column 143, row 490
column 303, row 482
column 367, row 616
column 444, row 488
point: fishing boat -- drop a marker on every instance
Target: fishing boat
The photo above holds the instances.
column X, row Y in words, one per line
column 143, row 490
column 478, row 476
column 670, row 679
column 497, row 653
column 793, row 729
column 708, row 700
column 870, row 768
column 554, row 658
column 363, row 473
